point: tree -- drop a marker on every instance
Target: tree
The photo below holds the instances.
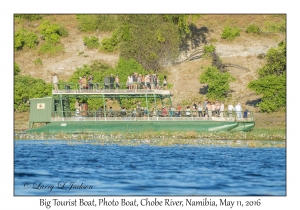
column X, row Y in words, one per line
column 217, row 82
column 26, row 87
column 272, row 80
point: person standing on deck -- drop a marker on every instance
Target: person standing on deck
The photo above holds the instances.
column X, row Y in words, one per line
column 199, row 110
column 238, row 110
column 112, row 81
column 204, row 107
column 221, row 109
column 230, row 109
column 178, row 110
column 134, row 80
column 130, row 81
column 165, row 83
column 90, row 82
column 117, row 82
column 106, row 82
column 84, row 82
column 55, row 83
column 80, row 83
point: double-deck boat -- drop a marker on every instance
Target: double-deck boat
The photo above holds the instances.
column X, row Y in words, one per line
column 58, row 116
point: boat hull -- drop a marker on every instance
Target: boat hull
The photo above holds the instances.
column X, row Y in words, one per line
column 140, row 126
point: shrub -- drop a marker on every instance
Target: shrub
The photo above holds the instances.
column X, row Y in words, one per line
column 91, row 42
column 52, row 32
column 96, row 22
column 272, row 80
column 16, row 69
column 24, row 38
column 217, row 82
column 230, row 33
column 29, row 16
column 208, row 49
column 62, row 31
column 252, row 28
column 110, row 44
column 26, row 87
column 275, row 27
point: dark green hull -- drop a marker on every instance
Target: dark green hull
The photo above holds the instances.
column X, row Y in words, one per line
column 140, row 126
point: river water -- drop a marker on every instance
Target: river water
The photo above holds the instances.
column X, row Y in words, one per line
column 85, row 168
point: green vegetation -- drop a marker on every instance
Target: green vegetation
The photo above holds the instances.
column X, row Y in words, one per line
column 272, row 80
column 162, row 138
column 275, row 27
column 110, row 44
column 51, row 49
column 38, row 62
column 52, row 32
column 208, row 49
column 26, row 87
column 91, row 42
column 230, row 33
column 24, row 38
column 252, row 28
column 16, row 69
column 97, row 22
column 217, row 82
column 30, row 17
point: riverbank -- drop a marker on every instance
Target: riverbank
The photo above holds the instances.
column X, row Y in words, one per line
column 255, row 134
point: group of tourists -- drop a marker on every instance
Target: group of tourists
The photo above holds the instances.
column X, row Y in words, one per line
column 134, row 81
column 207, row 109
column 148, row 81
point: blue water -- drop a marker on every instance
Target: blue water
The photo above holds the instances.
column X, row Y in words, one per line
column 60, row 168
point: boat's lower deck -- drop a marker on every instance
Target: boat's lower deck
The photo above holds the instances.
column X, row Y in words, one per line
column 128, row 126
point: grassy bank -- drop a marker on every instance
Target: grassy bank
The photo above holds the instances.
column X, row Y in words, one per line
column 256, row 134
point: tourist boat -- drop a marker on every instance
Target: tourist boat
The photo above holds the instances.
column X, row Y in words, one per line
column 57, row 116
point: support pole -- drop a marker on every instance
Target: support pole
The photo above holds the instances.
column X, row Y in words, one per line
column 147, row 106
column 104, row 106
column 61, row 105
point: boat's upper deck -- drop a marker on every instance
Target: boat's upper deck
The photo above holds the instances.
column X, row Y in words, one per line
column 101, row 89
column 109, row 92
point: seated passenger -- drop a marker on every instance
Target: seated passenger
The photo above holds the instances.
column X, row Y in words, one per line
column 164, row 112
column 188, row 111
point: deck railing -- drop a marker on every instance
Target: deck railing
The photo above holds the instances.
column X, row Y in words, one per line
column 108, row 88
column 145, row 115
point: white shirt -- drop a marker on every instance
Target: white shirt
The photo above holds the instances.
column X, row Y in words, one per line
column 230, row 107
column 55, row 80
column 222, row 107
column 238, row 108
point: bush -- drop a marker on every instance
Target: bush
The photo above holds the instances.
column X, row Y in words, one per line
column 62, row 31
column 26, row 87
column 208, row 49
column 275, row 27
column 97, row 22
column 272, row 80
column 29, row 16
column 16, row 69
column 217, row 82
column 91, row 42
column 110, row 44
column 24, row 38
column 230, row 33
column 52, row 32
column 49, row 48
column 253, row 29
